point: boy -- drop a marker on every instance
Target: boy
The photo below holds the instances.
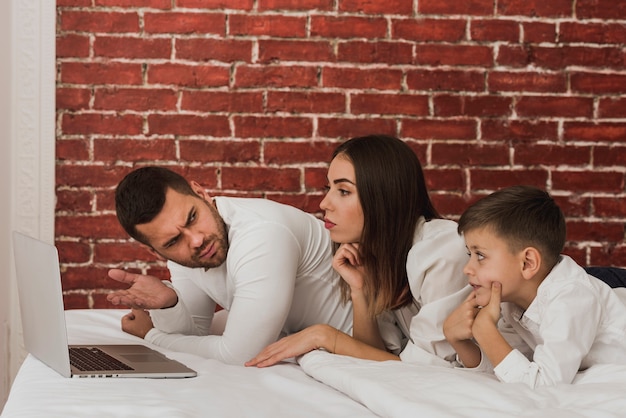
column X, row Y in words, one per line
column 554, row 319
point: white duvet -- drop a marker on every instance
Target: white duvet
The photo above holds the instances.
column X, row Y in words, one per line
column 396, row 389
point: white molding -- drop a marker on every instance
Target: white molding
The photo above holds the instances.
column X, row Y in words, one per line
column 32, row 199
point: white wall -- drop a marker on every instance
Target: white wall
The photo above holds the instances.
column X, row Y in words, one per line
column 27, row 141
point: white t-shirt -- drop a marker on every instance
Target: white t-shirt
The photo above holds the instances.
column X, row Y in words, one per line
column 435, row 272
column 574, row 322
column 277, row 279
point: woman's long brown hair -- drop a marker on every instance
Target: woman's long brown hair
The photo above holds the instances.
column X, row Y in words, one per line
column 392, row 192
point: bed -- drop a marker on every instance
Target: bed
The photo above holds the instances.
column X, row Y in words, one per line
column 319, row 385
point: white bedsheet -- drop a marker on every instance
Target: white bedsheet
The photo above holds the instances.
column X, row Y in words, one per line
column 395, row 389
column 219, row 390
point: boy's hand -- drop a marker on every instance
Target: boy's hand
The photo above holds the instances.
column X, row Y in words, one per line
column 458, row 325
column 490, row 314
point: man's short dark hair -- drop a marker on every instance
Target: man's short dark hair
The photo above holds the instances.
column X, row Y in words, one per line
column 523, row 216
column 140, row 196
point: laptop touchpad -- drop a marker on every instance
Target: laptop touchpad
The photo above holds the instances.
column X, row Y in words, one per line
column 143, row 358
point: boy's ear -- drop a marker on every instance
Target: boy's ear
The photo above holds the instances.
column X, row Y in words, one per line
column 532, row 262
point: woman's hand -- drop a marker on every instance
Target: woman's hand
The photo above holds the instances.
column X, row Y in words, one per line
column 311, row 338
column 347, row 262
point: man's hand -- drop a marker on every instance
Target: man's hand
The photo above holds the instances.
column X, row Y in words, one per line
column 137, row 322
column 145, row 292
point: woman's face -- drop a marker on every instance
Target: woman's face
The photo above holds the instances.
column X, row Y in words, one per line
column 343, row 214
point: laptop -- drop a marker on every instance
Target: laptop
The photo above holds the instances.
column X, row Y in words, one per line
column 45, row 332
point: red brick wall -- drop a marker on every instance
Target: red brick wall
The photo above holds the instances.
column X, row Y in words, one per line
column 250, row 97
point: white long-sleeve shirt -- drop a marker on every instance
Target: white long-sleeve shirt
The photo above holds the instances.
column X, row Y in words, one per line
column 574, row 322
column 277, row 279
column 435, row 273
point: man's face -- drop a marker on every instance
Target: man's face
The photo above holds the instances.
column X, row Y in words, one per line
column 188, row 230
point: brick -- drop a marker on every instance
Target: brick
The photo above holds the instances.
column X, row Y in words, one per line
column 89, row 175
column 474, row 7
column 526, row 154
column 272, row 127
column 470, row 155
column 139, row 99
column 290, row 50
column 492, row 180
column 185, row 23
column 216, row 4
column 524, row 81
column 446, row 80
column 72, row 46
column 537, row 32
column 306, row 102
column 222, row 101
column 600, row 9
column 220, row 151
column 481, row 106
column 346, row 26
column 494, row 30
column 73, row 201
column 449, row 205
column 307, row 5
column 306, row 202
column 596, row 231
column 439, row 129
column 188, row 75
column 315, row 178
column 179, row 124
column 267, row 25
column 99, row 123
column 261, row 178
column 362, row 78
column 608, row 207
column 579, row 255
column 394, row 7
column 599, row 33
column 88, row 227
column 555, row 106
column 535, row 8
column 115, row 252
column 587, row 131
column 475, row 55
column 605, row 181
column 429, row 30
column 598, row 83
column 609, row 156
column 75, row 301
column 72, row 149
column 105, row 200
column 613, row 255
column 344, row 128
column 519, row 130
column 403, row 104
column 88, row 277
column 222, row 50
column 99, row 22
column 73, row 252
column 101, row 73
column 612, row 107
column 567, row 56
column 283, row 152
column 152, row 4
column 574, row 205
column 441, row 179
column 72, row 98
column 132, row 48
column 514, row 56
column 275, row 76
column 375, row 52
column 115, row 150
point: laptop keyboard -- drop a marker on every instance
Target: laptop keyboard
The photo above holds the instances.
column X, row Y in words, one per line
column 92, row 358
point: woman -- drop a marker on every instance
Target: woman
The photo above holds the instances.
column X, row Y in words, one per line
column 402, row 266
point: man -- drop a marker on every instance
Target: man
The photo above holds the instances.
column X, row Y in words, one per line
column 268, row 265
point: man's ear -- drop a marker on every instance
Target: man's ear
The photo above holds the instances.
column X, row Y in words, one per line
column 199, row 190
column 532, row 262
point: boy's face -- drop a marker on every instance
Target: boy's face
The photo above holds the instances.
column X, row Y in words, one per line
column 491, row 260
column 188, row 230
